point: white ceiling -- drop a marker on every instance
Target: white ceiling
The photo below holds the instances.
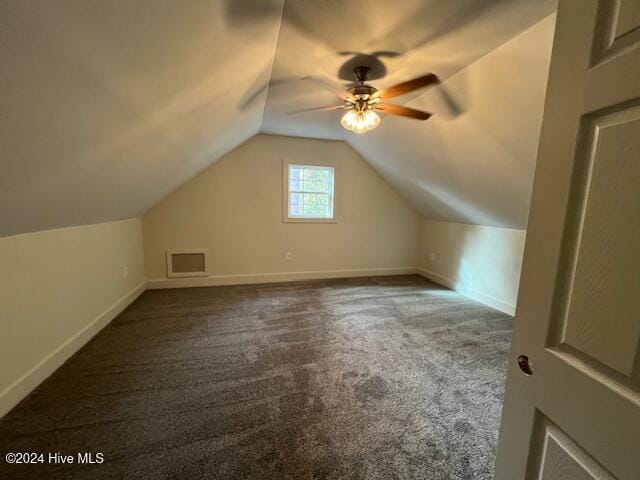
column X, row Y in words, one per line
column 109, row 106
column 439, row 36
column 448, row 167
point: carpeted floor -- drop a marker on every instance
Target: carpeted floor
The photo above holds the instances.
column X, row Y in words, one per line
column 377, row 378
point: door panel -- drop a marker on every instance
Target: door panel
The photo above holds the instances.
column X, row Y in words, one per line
column 559, row 458
column 628, row 17
column 599, row 303
column 618, row 26
column 578, row 315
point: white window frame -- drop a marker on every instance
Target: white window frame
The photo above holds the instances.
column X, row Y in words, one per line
column 286, row 216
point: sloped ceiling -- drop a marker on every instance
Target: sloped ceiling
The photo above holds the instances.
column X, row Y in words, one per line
column 109, row 106
column 473, row 160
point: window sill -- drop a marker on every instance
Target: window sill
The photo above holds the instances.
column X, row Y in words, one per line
column 309, row 220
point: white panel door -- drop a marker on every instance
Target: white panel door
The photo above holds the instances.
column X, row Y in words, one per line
column 572, row 403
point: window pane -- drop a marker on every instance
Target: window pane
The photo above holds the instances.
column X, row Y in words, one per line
column 310, row 191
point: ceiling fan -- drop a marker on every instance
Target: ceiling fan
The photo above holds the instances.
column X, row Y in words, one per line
column 362, row 101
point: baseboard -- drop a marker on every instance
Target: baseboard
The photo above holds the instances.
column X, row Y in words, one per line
column 476, row 295
column 256, row 278
column 218, row 280
column 19, row 389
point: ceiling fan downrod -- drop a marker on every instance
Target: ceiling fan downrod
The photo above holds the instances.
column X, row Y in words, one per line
column 361, row 73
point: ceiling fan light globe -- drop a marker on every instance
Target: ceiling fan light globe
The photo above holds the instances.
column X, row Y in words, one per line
column 372, row 119
column 360, row 121
column 348, row 120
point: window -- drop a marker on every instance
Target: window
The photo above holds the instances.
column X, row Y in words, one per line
column 310, row 192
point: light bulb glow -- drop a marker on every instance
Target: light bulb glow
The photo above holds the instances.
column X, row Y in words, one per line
column 360, row 121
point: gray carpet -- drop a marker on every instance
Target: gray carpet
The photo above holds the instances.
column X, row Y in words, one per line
column 376, row 378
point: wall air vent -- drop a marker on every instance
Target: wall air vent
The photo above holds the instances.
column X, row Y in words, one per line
column 186, row 263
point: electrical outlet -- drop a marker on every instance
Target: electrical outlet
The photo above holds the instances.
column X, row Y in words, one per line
column 125, row 272
column 288, row 256
column 432, row 256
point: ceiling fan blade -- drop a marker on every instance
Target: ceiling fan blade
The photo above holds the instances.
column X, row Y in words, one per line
column 391, row 109
column 409, row 86
column 330, row 86
column 315, row 109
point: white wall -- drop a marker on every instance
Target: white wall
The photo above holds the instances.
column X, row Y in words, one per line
column 58, row 289
column 480, row 262
column 234, row 209
column 486, row 152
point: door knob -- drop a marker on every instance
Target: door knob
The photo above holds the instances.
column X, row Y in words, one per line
column 525, row 365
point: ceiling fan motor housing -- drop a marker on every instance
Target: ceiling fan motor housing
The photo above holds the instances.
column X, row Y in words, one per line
column 363, row 94
column 362, row 90
column 362, row 97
